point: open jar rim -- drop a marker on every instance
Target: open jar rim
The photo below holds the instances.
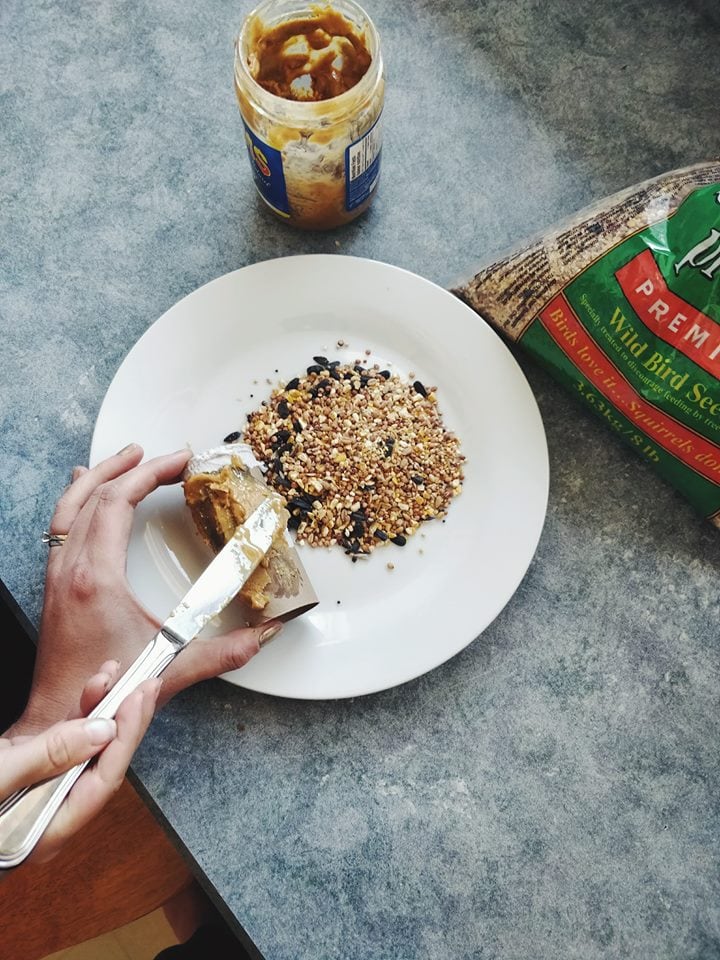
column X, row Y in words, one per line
column 299, row 111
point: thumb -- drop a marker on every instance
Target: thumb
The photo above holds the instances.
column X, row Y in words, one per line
column 52, row 752
column 209, row 658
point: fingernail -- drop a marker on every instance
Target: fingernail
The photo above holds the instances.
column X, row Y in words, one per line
column 127, row 449
column 117, row 665
column 100, row 731
column 270, row 632
column 107, row 680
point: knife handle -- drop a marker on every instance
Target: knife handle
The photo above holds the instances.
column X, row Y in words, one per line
column 25, row 815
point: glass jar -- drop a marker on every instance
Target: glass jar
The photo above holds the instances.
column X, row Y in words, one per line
column 316, row 163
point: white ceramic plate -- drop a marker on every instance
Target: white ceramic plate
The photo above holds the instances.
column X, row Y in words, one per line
column 189, row 380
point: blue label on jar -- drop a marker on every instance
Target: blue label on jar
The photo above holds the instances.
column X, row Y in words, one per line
column 362, row 166
column 266, row 163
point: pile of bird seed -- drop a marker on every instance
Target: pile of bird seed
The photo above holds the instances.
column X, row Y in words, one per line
column 360, row 455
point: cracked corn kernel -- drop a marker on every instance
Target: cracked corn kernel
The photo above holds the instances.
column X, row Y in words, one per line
column 350, row 473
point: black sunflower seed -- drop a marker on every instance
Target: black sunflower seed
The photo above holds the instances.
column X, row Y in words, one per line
column 279, row 478
column 358, row 529
column 321, row 361
column 283, row 409
column 385, row 373
column 417, row 480
column 333, row 364
column 359, row 515
column 300, row 503
column 335, row 375
column 348, row 545
column 293, row 384
column 232, row 437
column 399, row 540
column 419, row 388
column 295, row 521
column 324, row 383
column 297, row 426
column 381, row 535
column 316, row 368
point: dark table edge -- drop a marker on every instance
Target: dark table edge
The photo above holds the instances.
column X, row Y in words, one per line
column 207, row 885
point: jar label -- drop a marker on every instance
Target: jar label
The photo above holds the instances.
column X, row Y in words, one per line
column 267, row 167
column 362, row 166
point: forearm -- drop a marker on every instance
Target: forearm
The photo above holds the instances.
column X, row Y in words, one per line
column 27, row 724
column 24, row 726
column 41, row 711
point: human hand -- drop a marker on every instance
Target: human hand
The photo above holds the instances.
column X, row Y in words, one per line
column 90, row 612
column 26, row 760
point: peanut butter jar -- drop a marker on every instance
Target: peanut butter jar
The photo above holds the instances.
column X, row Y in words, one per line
column 309, row 81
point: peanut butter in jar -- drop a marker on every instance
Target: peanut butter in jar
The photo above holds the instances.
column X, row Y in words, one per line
column 309, row 81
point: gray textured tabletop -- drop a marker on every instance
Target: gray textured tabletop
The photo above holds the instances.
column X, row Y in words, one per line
column 553, row 790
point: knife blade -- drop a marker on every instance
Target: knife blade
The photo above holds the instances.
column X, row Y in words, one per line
column 25, row 815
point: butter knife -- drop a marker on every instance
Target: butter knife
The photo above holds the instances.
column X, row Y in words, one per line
column 25, row 815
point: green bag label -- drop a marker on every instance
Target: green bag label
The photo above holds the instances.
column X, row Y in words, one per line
column 637, row 335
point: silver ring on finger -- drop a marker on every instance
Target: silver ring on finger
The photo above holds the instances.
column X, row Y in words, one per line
column 54, row 539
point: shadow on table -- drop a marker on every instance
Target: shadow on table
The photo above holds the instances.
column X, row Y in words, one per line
column 279, row 240
column 627, row 87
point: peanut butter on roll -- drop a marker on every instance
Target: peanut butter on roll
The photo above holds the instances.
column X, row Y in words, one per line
column 221, row 493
